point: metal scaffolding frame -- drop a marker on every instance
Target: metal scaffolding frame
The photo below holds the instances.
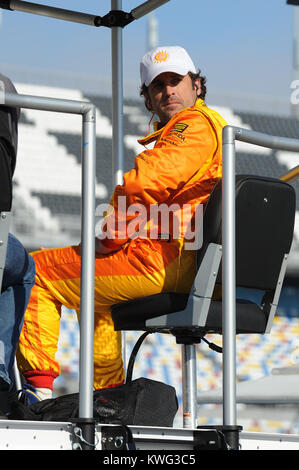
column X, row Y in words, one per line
column 230, row 135
column 116, row 20
column 88, row 151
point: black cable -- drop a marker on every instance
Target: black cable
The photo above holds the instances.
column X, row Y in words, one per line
column 133, row 356
column 213, row 346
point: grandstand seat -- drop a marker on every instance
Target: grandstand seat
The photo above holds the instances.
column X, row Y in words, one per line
column 265, row 212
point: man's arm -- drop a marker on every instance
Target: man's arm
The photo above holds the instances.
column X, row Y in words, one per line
column 101, row 249
column 161, row 172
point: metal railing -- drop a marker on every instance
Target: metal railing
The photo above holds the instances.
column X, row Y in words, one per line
column 230, row 135
column 88, row 150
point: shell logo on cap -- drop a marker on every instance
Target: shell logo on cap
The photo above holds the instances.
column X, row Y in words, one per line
column 160, row 56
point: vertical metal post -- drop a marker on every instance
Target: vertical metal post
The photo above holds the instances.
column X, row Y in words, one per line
column 87, row 266
column 5, row 218
column 295, row 71
column 117, row 116
column 17, row 376
column 229, row 278
column 189, row 386
column 117, row 100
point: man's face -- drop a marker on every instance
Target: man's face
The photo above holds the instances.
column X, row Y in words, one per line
column 169, row 93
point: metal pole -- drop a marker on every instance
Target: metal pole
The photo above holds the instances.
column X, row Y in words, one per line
column 43, row 103
column 117, row 117
column 229, row 277
column 230, row 134
column 152, row 37
column 17, row 377
column 117, row 100
column 87, row 266
column 189, row 386
column 266, row 140
column 295, row 65
column 53, row 12
column 76, row 16
column 146, row 8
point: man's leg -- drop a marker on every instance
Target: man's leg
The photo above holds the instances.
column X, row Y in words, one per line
column 18, row 279
column 38, row 340
column 58, row 283
column 123, row 275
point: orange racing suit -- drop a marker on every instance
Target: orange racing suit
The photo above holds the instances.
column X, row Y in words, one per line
column 182, row 168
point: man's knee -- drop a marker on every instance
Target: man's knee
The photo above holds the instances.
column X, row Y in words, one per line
column 29, row 276
column 19, row 265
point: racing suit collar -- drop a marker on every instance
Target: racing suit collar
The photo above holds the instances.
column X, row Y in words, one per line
column 158, row 129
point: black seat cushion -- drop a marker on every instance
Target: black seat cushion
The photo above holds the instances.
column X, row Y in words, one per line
column 250, row 318
column 132, row 315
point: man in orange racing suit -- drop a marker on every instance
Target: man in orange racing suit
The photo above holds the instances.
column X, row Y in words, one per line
column 182, row 169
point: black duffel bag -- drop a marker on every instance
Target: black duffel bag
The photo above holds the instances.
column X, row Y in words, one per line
column 141, row 401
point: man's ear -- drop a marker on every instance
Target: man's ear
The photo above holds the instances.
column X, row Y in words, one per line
column 148, row 104
column 197, row 86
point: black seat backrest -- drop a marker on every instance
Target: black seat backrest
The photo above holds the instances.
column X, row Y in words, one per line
column 265, row 212
column 6, row 172
column 5, row 177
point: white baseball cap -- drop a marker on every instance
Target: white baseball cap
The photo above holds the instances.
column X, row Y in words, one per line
column 165, row 59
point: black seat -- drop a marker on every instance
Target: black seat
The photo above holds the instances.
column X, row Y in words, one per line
column 133, row 315
column 265, row 211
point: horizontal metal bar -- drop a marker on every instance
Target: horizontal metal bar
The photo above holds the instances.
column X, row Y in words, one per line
column 292, row 175
column 265, row 140
column 53, row 12
column 45, row 104
column 79, row 17
column 146, row 8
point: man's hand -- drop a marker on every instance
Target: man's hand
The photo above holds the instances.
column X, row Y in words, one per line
column 101, row 249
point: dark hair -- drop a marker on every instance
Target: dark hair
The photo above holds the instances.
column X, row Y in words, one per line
column 203, row 80
column 193, row 76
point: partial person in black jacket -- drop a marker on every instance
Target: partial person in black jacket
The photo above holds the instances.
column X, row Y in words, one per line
column 19, row 270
